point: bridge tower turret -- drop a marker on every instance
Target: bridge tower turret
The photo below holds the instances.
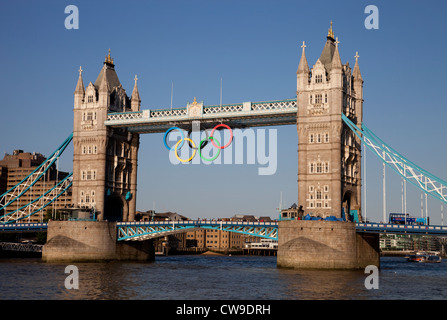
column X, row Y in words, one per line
column 329, row 154
column 104, row 159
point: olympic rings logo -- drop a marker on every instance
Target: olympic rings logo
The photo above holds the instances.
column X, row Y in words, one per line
column 202, row 143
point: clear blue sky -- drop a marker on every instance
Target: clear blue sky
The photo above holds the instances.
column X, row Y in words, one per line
column 254, row 46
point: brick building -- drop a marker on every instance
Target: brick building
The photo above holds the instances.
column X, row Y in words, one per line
column 17, row 166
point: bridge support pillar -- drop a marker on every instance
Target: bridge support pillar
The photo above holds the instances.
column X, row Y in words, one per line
column 320, row 244
column 91, row 241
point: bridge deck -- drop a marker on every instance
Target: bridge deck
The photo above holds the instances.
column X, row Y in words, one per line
column 160, row 227
column 246, row 114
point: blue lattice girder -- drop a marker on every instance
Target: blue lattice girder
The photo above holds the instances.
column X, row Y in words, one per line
column 23, row 186
column 148, row 230
column 414, row 174
column 39, row 203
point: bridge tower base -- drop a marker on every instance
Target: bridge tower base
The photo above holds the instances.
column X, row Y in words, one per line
column 88, row 241
column 320, row 244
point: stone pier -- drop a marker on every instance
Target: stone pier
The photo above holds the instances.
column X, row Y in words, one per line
column 320, row 244
column 79, row 241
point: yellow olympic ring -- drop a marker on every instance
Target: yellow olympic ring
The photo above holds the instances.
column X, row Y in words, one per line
column 193, row 154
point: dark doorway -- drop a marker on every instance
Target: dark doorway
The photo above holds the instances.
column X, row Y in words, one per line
column 113, row 209
column 346, row 205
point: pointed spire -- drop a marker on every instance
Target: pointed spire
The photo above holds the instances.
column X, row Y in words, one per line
column 135, row 94
column 330, row 33
column 104, row 86
column 80, row 85
column 336, row 61
column 303, row 67
column 109, row 59
column 356, row 73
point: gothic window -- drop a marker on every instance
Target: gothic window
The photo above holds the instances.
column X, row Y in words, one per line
column 319, row 167
column 87, row 198
column 310, row 99
column 319, row 78
column 311, row 138
column 318, row 98
column 318, row 197
column 318, row 138
column 325, row 98
column 89, row 116
column 326, row 137
column 88, row 175
column 90, row 98
column 84, row 149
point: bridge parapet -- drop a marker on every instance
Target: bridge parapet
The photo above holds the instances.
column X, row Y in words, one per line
column 152, row 229
column 245, row 110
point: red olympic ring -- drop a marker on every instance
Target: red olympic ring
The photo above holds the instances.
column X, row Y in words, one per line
column 231, row 138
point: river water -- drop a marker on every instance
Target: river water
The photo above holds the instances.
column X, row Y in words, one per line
column 201, row 277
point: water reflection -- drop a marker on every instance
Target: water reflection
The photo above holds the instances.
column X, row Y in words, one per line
column 217, row 278
column 322, row 284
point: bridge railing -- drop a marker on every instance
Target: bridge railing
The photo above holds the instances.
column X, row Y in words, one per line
column 152, row 229
column 238, row 109
column 371, row 227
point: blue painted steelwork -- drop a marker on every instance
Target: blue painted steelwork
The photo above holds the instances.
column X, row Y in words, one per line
column 401, row 228
column 23, row 227
column 153, row 229
column 422, row 179
column 146, row 230
column 15, row 192
column 45, row 204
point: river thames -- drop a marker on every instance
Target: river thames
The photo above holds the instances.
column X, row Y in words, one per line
column 204, row 277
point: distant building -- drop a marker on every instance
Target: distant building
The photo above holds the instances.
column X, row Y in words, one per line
column 151, row 215
column 214, row 239
column 293, row 212
column 14, row 168
column 200, row 238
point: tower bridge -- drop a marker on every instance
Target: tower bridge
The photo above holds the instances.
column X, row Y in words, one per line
column 108, row 123
column 328, row 114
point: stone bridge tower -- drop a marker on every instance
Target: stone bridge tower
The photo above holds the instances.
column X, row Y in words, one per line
column 329, row 153
column 104, row 159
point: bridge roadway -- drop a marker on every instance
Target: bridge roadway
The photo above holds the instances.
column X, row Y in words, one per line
column 239, row 115
column 142, row 230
